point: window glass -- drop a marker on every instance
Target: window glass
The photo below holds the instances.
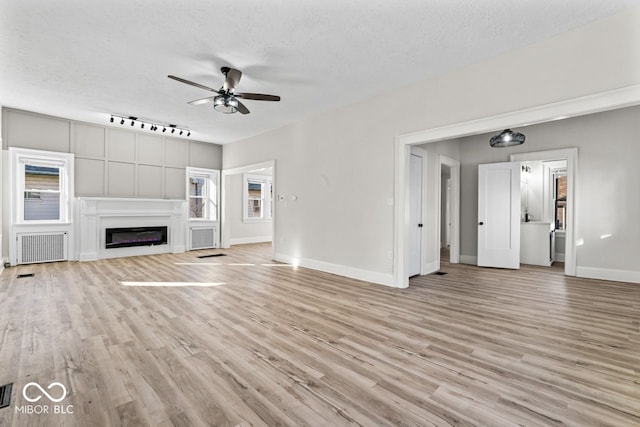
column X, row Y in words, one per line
column 41, row 193
column 255, row 197
column 197, row 196
column 561, row 201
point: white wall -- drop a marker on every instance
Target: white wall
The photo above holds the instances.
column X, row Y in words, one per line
column 608, row 200
column 241, row 231
column 535, row 196
column 340, row 163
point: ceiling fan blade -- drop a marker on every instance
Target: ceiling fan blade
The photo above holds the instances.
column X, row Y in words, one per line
column 181, row 80
column 257, row 96
column 242, row 108
column 232, row 78
column 202, row 101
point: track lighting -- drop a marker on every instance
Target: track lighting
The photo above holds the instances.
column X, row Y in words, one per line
column 145, row 124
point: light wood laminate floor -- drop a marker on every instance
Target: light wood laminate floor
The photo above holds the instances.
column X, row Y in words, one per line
column 273, row 345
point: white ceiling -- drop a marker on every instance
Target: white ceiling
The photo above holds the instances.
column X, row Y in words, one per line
column 87, row 59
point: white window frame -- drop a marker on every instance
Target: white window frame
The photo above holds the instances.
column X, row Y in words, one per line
column 19, row 157
column 267, row 198
column 211, row 195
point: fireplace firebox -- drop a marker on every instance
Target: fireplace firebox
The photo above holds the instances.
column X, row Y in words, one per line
column 135, row 236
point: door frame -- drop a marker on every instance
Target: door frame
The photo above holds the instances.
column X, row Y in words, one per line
column 454, row 246
column 571, row 156
column 225, row 226
column 598, row 102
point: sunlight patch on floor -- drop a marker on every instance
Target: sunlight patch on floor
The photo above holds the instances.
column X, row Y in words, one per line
column 173, row 284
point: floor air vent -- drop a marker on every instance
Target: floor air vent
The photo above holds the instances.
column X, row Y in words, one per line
column 41, row 247
column 439, row 273
column 5, row 395
column 22, row 276
column 211, row 255
column 202, row 238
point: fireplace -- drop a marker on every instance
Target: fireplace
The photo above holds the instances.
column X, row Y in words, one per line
column 135, row 236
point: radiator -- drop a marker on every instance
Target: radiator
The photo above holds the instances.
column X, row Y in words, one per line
column 202, row 237
column 41, row 247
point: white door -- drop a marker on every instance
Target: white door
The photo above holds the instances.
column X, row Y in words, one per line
column 499, row 215
column 447, row 215
column 415, row 215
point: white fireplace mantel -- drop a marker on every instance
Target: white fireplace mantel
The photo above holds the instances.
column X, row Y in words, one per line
column 95, row 214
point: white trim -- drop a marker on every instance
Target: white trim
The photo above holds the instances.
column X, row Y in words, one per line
column 340, row 270
column 594, row 103
column 469, row 259
column 559, row 257
column 571, row 156
column 603, row 101
column 609, row 274
column 245, row 240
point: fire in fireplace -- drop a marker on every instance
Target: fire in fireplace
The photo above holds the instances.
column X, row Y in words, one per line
column 135, row 236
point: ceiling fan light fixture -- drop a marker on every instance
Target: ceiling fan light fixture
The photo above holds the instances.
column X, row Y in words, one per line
column 225, row 104
column 507, row 138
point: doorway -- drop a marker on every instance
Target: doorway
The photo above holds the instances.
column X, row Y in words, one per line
column 448, row 224
column 415, row 226
column 254, row 208
column 570, row 156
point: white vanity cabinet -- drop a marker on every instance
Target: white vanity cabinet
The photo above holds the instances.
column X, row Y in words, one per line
column 537, row 243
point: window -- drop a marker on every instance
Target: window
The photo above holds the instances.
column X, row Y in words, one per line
column 41, row 192
column 258, row 194
column 42, row 186
column 202, row 194
column 560, row 199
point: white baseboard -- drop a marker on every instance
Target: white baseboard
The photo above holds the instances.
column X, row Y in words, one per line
column 245, row 240
column 341, row 270
column 469, row 259
column 608, row 274
column 88, row 256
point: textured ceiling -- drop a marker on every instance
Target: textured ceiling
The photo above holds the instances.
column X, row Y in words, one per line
column 87, row 59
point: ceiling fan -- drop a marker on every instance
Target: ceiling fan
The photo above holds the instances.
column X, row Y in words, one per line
column 226, row 100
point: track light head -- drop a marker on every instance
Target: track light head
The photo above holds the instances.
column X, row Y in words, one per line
column 164, row 129
column 173, row 130
column 111, row 120
column 181, row 132
column 141, row 125
column 189, row 133
column 121, row 121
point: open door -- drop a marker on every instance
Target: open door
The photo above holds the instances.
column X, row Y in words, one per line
column 415, row 216
column 499, row 215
